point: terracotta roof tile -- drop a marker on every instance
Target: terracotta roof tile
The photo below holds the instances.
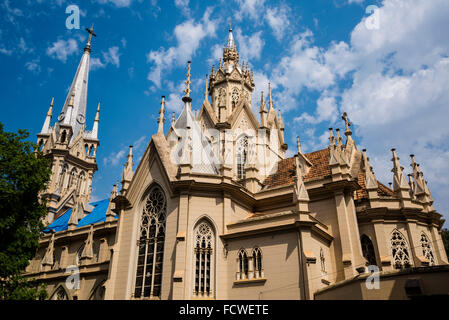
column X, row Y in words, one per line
column 285, row 174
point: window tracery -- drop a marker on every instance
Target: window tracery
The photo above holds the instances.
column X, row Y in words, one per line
column 151, row 245
column 204, row 260
column 400, row 251
column 242, row 153
column 427, row 249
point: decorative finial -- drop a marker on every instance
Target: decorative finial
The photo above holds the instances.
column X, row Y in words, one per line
column 298, row 144
column 173, row 119
column 348, row 131
column 339, row 138
column 270, row 100
column 187, row 90
column 161, row 118
column 97, row 116
column 331, row 137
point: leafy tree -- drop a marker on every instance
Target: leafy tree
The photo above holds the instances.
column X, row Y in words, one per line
column 445, row 236
column 23, row 174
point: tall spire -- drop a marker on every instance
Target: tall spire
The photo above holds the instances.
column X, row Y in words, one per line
column 230, row 53
column 187, row 90
column 161, row 118
column 46, row 126
column 77, row 95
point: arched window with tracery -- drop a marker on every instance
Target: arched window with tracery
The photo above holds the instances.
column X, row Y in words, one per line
column 257, row 263
column 400, row 251
column 242, row 154
column 427, row 249
column 368, row 250
column 151, row 245
column 243, row 265
column 204, row 260
column 99, row 292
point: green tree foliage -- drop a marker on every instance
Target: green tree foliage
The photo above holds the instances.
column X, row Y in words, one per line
column 445, row 236
column 23, row 174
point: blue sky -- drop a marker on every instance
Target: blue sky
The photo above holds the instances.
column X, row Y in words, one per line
column 322, row 58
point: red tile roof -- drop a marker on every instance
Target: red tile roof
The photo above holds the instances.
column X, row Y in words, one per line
column 285, row 174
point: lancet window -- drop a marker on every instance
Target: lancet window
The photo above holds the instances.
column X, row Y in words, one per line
column 204, row 260
column 427, row 249
column 400, row 251
column 151, row 245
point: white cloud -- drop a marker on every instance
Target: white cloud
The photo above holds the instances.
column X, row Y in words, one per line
column 117, row 3
column 112, row 56
column 398, row 93
column 61, row 49
column 250, row 8
column 189, row 35
column 250, row 47
column 278, row 20
column 33, row 66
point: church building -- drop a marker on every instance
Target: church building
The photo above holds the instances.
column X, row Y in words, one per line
column 215, row 209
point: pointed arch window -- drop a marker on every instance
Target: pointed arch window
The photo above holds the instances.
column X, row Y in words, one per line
column 243, row 265
column 400, row 251
column 204, row 260
column 242, row 153
column 151, row 245
column 368, row 250
column 60, row 294
column 99, row 292
column 257, row 263
column 427, row 249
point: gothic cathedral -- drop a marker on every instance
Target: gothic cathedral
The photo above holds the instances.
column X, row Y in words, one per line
column 215, row 210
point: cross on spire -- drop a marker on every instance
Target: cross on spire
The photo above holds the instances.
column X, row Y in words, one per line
column 91, row 33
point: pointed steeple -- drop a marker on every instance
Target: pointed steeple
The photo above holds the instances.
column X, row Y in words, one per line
column 96, row 121
column 161, row 118
column 399, row 180
column 173, row 119
column 230, row 53
column 370, row 179
column 127, row 171
column 301, row 195
column 74, row 109
column 46, row 127
column 88, row 252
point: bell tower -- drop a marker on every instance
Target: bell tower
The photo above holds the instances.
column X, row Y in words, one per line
column 70, row 147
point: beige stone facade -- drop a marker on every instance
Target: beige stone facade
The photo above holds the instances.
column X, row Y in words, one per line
column 215, row 210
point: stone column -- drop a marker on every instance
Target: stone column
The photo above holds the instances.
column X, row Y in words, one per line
column 382, row 242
